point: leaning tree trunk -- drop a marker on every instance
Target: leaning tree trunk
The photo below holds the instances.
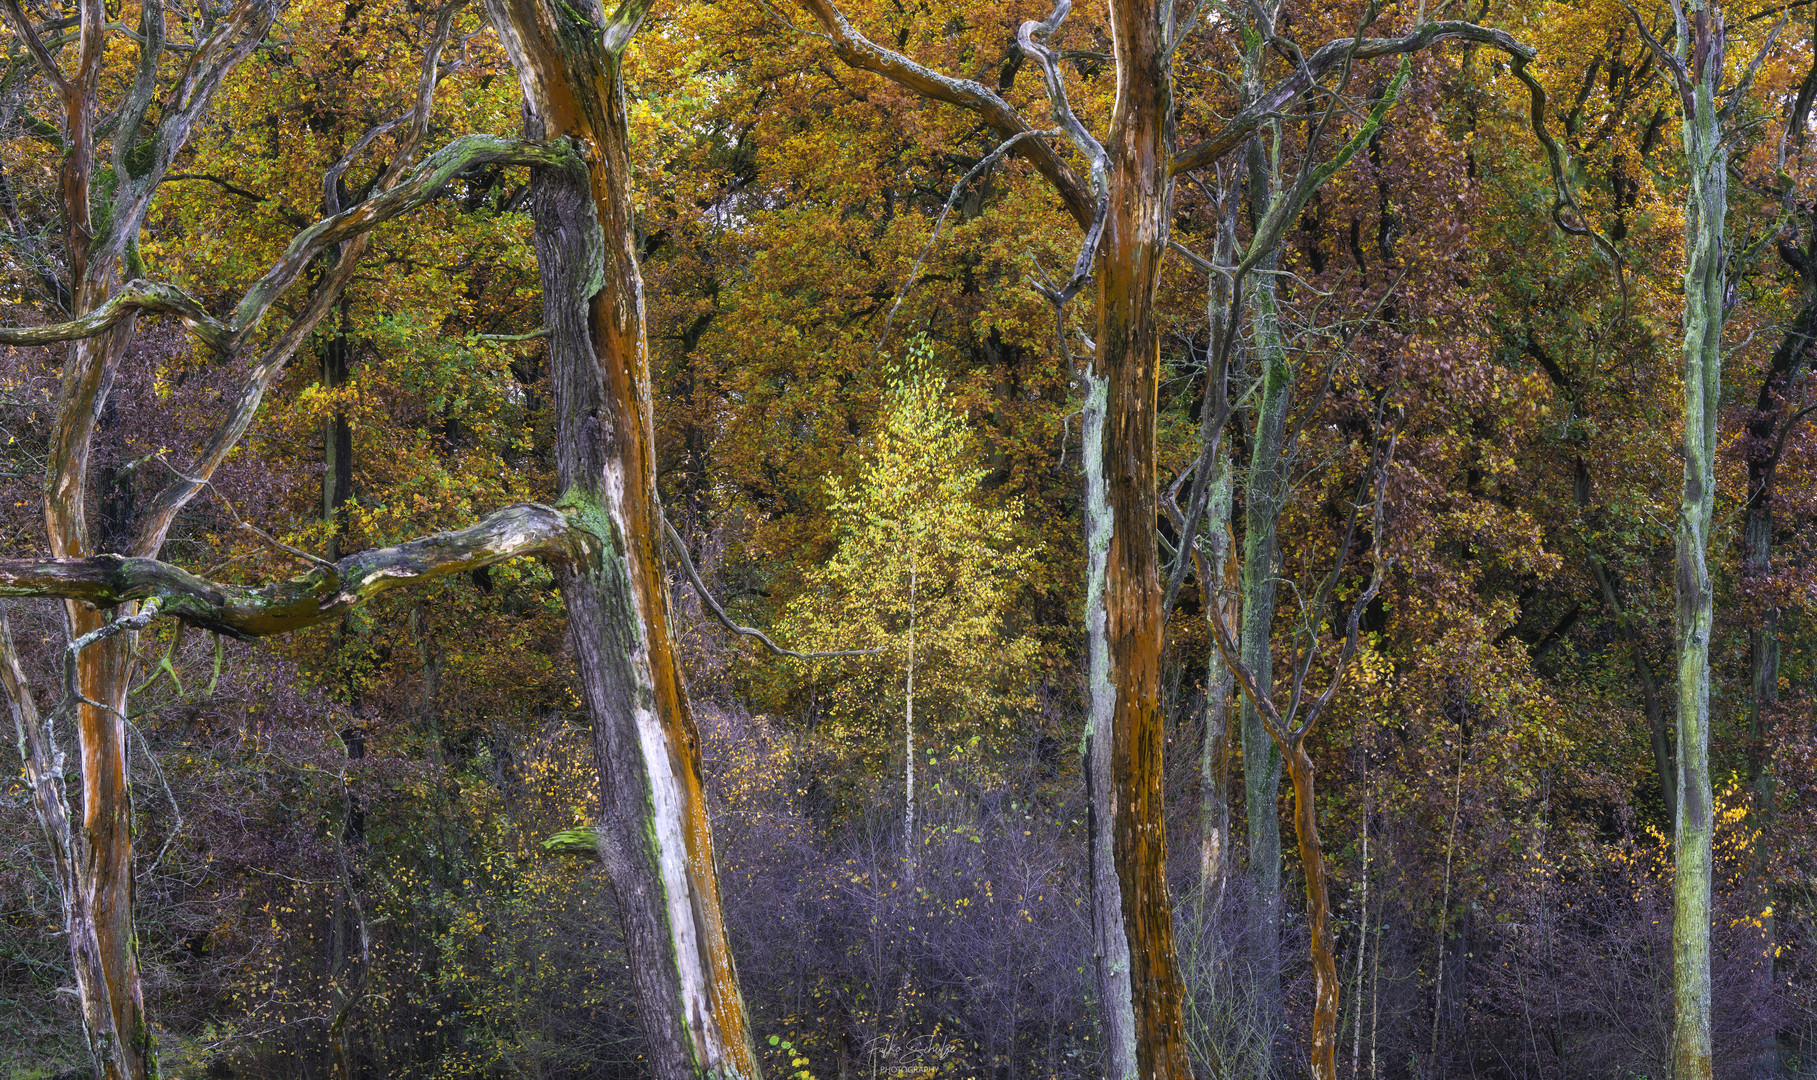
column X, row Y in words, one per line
column 1700, row 52
column 1124, row 617
column 1322, row 1041
column 653, row 831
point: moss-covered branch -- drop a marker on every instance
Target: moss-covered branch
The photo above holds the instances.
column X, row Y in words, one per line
column 138, row 295
column 323, row 594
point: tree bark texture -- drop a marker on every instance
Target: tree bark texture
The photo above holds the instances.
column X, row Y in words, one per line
column 98, row 857
column 1264, row 495
column 1123, row 504
column 1322, row 1041
column 654, row 835
column 1701, row 40
column 1219, row 578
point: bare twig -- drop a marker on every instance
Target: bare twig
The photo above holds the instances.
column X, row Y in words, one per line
column 680, row 548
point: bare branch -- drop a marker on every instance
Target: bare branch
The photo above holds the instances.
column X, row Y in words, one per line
column 1329, row 57
column 951, row 200
column 1740, row 89
column 1097, row 162
column 680, row 548
column 422, row 184
column 22, row 25
column 221, row 182
column 860, row 52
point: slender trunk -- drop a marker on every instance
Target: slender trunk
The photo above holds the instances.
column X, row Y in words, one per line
column 1263, row 499
column 1218, row 572
column 1444, row 915
column 908, row 741
column 1375, row 999
column 337, row 440
column 1701, row 42
column 1138, row 979
column 1362, row 940
column 1323, row 1040
column 654, row 836
column 350, row 947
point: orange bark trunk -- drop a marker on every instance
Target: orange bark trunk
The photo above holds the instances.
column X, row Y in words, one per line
column 1127, row 366
column 1323, row 1042
column 654, row 835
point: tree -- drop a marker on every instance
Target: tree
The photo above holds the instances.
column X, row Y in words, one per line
column 1696, row 69
column 1124, row 203
column 1290, row 721
column 603, row 533
column 923, row 576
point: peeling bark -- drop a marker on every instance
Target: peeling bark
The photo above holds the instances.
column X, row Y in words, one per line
column 654, row 836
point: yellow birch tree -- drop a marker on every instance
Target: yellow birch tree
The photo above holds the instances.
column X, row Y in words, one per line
column 924, row 573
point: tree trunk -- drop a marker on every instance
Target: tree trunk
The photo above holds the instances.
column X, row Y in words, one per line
column 1701, row 42
column 100, row 928
column 1322, row 1043
column 653, row 833
column 1263, row 499
column 1137, row 980
column 337, row 440
column 1218, row 575
column 909, row 846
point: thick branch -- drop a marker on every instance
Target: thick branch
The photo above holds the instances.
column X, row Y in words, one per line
column 421, row 185
column 22, row 25
column 158, row 519
column 319, row 596
column 134, row 296
column 860, row 52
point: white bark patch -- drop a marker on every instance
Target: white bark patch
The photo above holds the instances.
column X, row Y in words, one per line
column 668, row 825
column 1107, row 893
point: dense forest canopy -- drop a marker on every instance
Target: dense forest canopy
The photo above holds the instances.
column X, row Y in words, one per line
column 1157, row 539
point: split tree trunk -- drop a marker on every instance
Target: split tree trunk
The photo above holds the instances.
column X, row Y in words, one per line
column 653, row 832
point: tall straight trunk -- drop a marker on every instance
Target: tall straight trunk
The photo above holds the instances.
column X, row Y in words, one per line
column 1264, row 496
column 1138, row 982
column 1217, row 572
column 908, row 744
column 653, row 833
column 1701, row 40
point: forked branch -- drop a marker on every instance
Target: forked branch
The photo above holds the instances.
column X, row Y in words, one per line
column 858, row 51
